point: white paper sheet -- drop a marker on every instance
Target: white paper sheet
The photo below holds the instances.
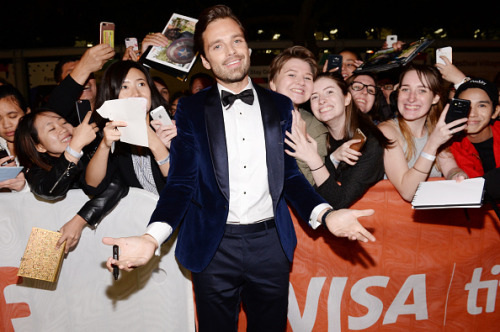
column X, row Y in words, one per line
column 131, row 110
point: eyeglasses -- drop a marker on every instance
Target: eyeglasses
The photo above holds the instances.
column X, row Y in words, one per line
column 358, row 86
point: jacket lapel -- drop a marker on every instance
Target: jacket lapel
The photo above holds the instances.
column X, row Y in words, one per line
column 274, row 142
column 216, row 136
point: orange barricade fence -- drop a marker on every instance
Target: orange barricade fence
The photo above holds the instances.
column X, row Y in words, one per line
column 432, row 270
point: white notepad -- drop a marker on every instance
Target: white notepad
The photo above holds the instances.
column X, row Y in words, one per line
column 448, row 194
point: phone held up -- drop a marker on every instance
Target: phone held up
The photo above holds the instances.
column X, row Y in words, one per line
column 132, row 41
column 107, row 33
column 390, row 40
column 458, row 109
column 334, row 61
column 82, row 108
column 358, row 134
column 443, row 51
column 160, row 113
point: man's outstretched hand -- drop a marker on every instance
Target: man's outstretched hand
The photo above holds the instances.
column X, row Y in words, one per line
column 135, row 251
column 344, row 223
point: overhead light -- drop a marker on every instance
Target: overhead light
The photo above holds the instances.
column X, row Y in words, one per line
column 438, row 31
column 276, row 36
column 260, row 31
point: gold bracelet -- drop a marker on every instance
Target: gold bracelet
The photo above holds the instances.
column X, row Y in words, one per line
column 420, row 170
column 318, row 168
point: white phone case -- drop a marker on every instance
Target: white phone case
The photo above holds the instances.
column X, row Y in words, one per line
column 160, row 113
column 444, row 51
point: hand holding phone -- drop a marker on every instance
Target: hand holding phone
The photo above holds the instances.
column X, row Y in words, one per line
column 160, row 113
column 82, row 108
column 444, row 51
column 334, row 61
column 458, row 109
column 391, row 39
column 358, row 134
column 132, row 41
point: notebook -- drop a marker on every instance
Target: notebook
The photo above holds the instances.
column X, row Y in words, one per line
column 448, row 194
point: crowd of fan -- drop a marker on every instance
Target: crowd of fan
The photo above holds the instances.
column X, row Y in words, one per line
column 401, row 116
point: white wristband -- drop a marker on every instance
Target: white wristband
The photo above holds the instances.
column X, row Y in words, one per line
column 164, row 161
column 73, row 153
column 427, row 156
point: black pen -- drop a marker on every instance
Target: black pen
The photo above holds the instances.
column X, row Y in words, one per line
column 116, row 270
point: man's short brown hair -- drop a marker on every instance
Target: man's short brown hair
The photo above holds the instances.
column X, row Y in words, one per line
column 208, row 16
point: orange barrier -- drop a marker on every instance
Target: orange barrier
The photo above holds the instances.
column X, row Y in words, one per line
column 433, row 270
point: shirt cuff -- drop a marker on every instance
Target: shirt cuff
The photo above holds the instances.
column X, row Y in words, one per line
column 160, row 231
column 313, row 220
column 335, row 162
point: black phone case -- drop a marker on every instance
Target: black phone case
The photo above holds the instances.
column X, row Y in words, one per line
column 459, row 109
column 334, row 61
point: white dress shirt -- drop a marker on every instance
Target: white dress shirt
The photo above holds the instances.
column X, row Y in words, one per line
column 250, row 200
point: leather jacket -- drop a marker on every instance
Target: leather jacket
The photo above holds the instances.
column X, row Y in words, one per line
column 65, row 175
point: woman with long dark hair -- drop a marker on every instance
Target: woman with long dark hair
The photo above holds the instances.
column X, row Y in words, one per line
column 138, row 166
column 52, row 152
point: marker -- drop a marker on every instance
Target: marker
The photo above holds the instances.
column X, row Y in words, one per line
column 116, row 270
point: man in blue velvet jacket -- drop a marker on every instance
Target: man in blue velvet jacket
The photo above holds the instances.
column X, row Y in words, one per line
column 228, row 188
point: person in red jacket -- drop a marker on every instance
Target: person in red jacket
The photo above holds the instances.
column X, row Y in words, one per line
column 477, row 150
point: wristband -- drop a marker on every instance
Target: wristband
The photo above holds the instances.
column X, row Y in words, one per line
column 465, row 80
column 427, row 156
column 73, row 153
column 318, row 168
column 164, row 161
column 323, row 218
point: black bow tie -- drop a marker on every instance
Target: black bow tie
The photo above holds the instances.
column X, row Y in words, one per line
column 228, row 98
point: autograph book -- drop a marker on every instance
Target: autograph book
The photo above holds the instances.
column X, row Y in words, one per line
column 447, row 194
column 387, row 59
column 178, row 57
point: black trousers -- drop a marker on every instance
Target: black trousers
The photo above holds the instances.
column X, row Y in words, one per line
column 249, row 267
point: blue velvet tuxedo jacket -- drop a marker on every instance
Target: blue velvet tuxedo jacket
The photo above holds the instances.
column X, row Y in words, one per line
column 196, row 195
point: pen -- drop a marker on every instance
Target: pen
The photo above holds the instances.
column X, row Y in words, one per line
column 116, row 270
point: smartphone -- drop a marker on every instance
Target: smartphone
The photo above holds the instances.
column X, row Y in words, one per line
column 458, row 109
column 358, row 134
column 3, row 154
column 132, row 41
column 160, row 113
column 391, row 39
column 443, row 51
column 334, row 61
column 107, row 33
column 82, row 108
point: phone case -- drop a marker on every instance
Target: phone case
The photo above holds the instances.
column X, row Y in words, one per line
column 82, row 107
column 160, row 113
column 444, row 51
column 459, row 109
column 107, row 33
column 334, row 61
column 358, row 135
column 132, row 42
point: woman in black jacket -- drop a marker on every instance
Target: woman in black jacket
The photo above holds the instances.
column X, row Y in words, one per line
column 52, row 152
column 346, row 173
